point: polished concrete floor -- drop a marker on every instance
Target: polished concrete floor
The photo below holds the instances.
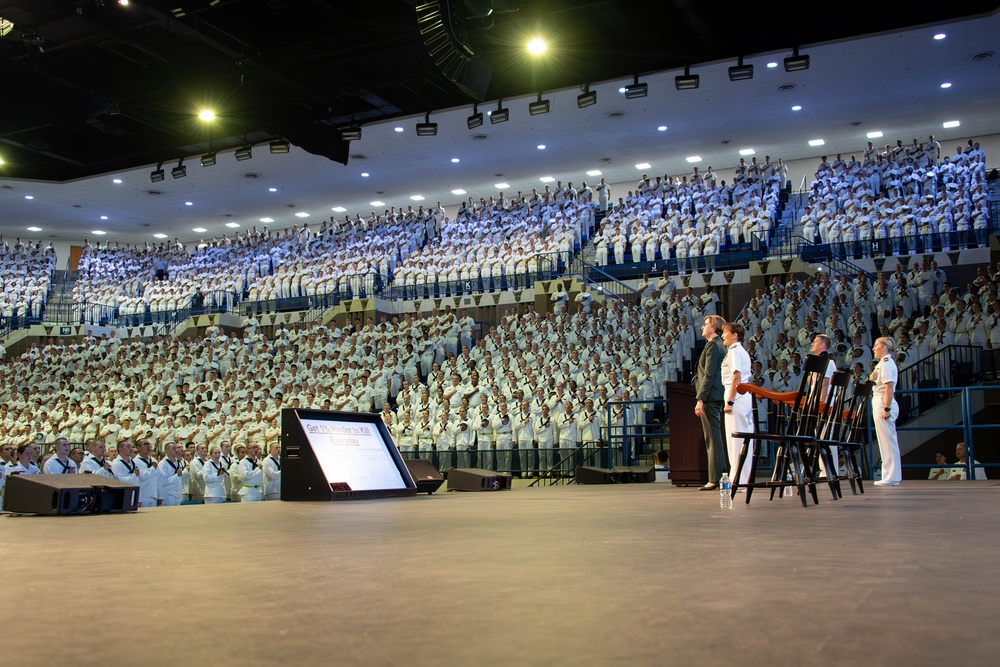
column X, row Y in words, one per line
column 642, row 574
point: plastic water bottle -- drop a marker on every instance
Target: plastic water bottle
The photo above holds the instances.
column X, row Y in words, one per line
column 725, row 493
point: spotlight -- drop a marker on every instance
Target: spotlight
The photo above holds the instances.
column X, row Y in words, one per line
column 741, row 72
column 280, row 146
column 476, row 119
column 586, row 99
column 244, row 154
column 636, row 90
column 427, row 128
column 180, row 171
column 538, row 107
column 501, row 115
column 687, row 81
column 352, row 133
column 208, row 159
column 795, row 62
column 157, row 175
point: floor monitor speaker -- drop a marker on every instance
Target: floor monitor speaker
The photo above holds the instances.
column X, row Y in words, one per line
column 635, row 474
column 69, row 494
column 594, row 475
column 425, row 475
column 474, row 479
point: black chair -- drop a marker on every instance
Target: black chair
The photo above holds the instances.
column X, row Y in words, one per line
column 829, row 435
column 798, row 416
column 853, row 437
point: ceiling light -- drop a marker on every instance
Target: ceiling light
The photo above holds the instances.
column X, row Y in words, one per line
column 587, row 98
column 98, row 232
column 338, row 209
column 816, row 142
column 501, row 115
column 950, row 124
column 29, row 196
column 476, row 119
column 377, row 203
column 594, row 172
column 537, row 46
column 206, row 115
column 157, row 174
column 622, row 89
column 208, row 159
column 636, row 90
column 116, row 181
column 946, row 84
column 34, row 229
column 795, row 62
column 772, row 65
column 455, row 160
column 244, row 154
column 352, row 133
column 546, row 179
column 104, row 217
column 747, row 151
column 266, row 220
column 877, row 134
column 365, row 174
column 279, row 146
column 459, row 191
column 661, row 128
column 643, row 165
column 687, row 81
column 200, row 230
column 797, row 107
column 502, row 186
column 741, row 72
column 301, row 214
column 693, row 158
column 427, row 128
column 417, row 197
column 160, row 236
column 189, row 203
column 272, row 189
column 233, row 225
column 940, row 36
column 541, row 147
column 539, row 106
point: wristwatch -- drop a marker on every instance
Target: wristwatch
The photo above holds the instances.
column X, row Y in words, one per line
column 730, row 403
column 887, row 409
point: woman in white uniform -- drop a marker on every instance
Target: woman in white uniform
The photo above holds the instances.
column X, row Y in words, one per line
column 739, row 407
column 885, row 410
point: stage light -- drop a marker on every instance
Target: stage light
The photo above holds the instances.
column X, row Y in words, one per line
column 280, row 146
column 352, row 133
column 795, row 62
column 427, row 128
column 636, row 90
column 538, row 107
column 244, row 154
column 476, row 119
column 208, row 159
column 741, row 72
column 501, row 115
column 587, row 98
column 180, row 171
column 687, row 81
column 157, row 175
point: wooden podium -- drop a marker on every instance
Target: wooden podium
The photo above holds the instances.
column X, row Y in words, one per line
column 688, row 456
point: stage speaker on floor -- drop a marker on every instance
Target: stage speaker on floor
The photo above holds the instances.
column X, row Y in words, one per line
column 475, row 479
column 594, row 475
column 635, row 474
column 425, row 475
column 69, row 494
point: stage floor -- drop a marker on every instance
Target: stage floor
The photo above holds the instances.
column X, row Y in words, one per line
column 642, row 574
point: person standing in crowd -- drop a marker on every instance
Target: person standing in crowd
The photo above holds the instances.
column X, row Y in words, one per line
column 885, row 410
column 253, row 476
column 216, row 474
column 739, row 407
column 148, row 477
column 272, row 473
column 709, row 393
column 60, row 463
column 171, row 473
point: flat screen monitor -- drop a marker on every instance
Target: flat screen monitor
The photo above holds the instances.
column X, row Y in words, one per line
column 339, row 455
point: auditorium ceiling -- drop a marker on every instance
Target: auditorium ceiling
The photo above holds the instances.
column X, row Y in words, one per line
column 96, row 91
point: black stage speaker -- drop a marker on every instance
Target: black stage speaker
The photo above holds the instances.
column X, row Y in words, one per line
column 594, row 475
column 474, row 479
column 69, row 494
column 635, row 474
column 426, row 476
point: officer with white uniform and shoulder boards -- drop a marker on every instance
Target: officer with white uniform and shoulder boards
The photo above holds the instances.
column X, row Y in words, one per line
column 885, row 410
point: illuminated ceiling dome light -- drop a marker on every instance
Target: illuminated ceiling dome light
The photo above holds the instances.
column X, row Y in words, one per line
column 537, row 46
column 206, row 115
